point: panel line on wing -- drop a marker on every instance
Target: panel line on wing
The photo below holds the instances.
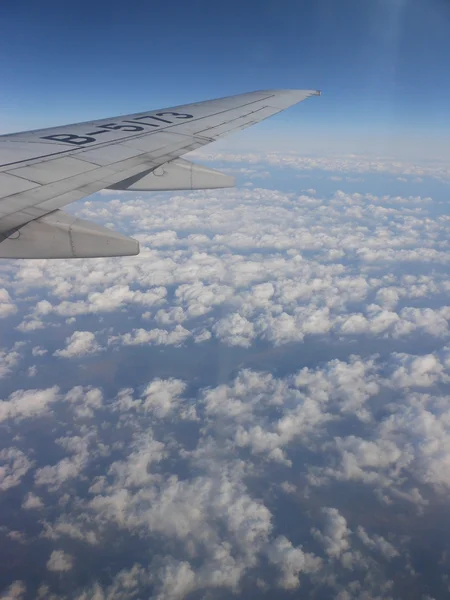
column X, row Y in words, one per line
column 13, row 216
column 75, row 151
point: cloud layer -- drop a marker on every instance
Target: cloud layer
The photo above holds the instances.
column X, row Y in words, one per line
column 257, row 404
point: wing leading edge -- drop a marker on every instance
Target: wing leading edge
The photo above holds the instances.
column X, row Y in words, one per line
column 41, row 171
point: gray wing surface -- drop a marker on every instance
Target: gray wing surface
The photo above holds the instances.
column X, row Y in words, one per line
column 43, row 170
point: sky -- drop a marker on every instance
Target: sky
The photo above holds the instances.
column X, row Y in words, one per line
column 257, row 405
column 382, row 64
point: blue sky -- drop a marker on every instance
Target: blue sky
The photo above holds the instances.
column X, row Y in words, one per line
column 382, row 64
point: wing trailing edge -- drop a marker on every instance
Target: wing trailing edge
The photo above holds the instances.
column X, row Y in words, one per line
column 59, row 235
column 178, row 174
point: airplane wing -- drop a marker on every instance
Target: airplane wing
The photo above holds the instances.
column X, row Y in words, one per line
column 43, row 170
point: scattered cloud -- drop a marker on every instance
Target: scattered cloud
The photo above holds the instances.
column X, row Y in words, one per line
column 15, row 591
column 32, row 502
column 24, row 404
column 7, row 307
column 351, row 163
column 14, row 464
column 80, row 343
column 60, row 561
column 157, row 337
column 335, row 536
column 292, row 561
column 267, row 351
column 8, row 361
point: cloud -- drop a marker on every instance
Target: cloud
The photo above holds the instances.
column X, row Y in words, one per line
column 349, row 384
column 60, row 561
column 80, row 343
column 15, row 591
column 216, row 527
column 7, row 307
column 351, row 163
column 68, row 468
column 254, row 265
column 39, row 351
column 235, row 330
column 369, row 461
column 31, row 325
column 377, row 543
column 14, row 464
column 335, row 536
column 203, row 336
column 200, row 298
column 157, row 337
column 162, row 397
column 418, row 371
column 24, row 404
column 85, row 402
column 126, row 584
column 32, row 502
column 208, row 465
column 8, row 360
column 292, row 561
column 112, row 299
column 177, row 580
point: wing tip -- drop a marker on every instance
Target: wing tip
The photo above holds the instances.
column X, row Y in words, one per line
column 296, row 93
column 284, row 98
column 310, row 92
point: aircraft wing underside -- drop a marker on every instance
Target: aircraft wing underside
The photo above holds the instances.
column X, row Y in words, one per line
column 41, row 171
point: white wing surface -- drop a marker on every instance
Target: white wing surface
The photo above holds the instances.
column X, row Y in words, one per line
column 41, row 171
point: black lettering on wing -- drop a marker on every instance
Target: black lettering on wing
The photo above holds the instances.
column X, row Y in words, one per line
column 176, row 115
column 115, row 127
column 70, row 138
column 97, row 132
column 158, row 119
column 144, row 122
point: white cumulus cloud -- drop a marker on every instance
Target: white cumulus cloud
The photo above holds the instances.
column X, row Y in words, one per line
column 80, row 343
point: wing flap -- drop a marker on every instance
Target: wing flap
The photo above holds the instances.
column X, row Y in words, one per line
column 59, row 235
column 178, row 174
